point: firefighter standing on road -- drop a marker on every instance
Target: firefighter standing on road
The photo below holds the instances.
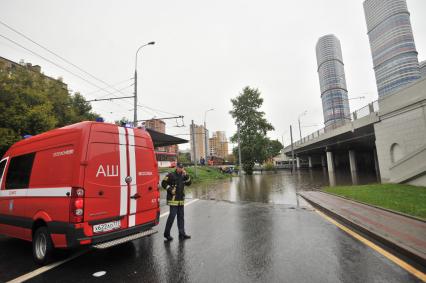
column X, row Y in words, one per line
column 175, row 183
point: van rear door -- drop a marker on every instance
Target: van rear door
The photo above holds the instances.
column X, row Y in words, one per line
column 143, row 170
column 106, row 191
column 121, row 177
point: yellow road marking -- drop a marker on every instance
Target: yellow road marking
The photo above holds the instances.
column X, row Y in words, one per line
column 46, row 268
column 378, row 249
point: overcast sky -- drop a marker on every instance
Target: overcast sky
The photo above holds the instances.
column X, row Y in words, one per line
column 205, row 53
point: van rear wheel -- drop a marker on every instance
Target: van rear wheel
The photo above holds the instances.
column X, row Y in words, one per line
column 42, row 246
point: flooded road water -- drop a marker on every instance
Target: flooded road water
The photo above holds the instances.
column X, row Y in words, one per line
column 274, row 188
column 244, row 229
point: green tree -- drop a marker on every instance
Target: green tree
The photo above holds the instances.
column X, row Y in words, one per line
column 273, row 148
column 253, row 128
column 7, row 137
column 31, row 103
column 184, row 157
column 81, row 109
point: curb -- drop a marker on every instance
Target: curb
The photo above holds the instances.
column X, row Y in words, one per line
column 378, row 207
column 386, row 242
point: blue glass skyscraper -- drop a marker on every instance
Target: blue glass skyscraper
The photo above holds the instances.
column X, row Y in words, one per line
column 392, row 44
column 332, row 80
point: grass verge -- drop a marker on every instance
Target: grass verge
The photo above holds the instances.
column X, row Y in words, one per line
column 407, row 199
column 204, row 174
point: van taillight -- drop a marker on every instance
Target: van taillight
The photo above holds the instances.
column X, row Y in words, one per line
column 77, row 205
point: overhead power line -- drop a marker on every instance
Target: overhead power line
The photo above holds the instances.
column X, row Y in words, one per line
column 161, row 118
column 109, row 99
column 59, row 56
column 50, row 61
column 98, row 88
column 121, row 89
column 104, row 88
column 157, row 110
column 56, row 64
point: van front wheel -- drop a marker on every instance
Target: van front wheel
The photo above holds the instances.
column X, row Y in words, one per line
column 42, row 246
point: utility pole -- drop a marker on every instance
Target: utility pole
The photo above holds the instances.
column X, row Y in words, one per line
column 300, row 130
column 239, row 150
column 298, row 119
column 292, row 150
column 193, row 147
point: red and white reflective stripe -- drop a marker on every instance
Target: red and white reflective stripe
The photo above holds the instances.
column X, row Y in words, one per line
column 133, row 184
column 38, row 192
column 123, row 170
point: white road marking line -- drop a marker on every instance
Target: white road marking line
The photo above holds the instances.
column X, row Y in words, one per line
column 43, row 269
column 164, row 214
column 46, row 268
column 188, row 203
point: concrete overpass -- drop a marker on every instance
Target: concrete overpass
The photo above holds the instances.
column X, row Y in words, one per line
column 351, row 145
column 387, row 136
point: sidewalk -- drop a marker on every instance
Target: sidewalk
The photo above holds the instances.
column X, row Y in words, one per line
column 401, row 233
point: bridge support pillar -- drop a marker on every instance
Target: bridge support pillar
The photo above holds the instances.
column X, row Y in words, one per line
column 352, row 164
column 331, row 179
column 298, row 162
column 310, row 161
column 323, row 163
column 376, row 165
column 330, row 161
column 352, row 160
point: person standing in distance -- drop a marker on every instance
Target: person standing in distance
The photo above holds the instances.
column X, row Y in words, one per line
column 175, row 183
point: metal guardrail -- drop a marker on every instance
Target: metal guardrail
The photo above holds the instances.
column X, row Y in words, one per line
column 362, row 112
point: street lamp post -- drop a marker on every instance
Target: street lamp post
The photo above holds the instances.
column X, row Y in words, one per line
column 292, row 150
column 205, row 133
column 298, row 119
column 135, row 117
column 239, row 151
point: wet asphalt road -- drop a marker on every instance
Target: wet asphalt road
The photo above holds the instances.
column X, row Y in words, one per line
column 265, row 239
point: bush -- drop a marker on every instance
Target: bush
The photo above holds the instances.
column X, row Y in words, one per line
column 269, row 166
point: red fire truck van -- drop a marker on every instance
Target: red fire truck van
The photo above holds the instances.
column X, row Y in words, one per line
column 89, row 183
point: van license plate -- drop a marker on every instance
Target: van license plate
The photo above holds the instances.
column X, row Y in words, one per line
column 106, row 227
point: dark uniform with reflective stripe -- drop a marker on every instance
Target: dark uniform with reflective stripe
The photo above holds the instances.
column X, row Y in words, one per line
column 175, row 183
